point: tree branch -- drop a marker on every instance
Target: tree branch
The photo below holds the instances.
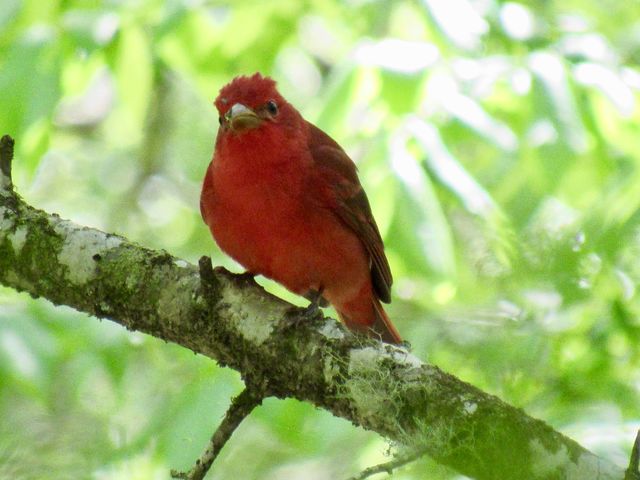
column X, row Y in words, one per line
column 633, row 472
column 240, row 408
column 6, row 157
column 388, row 467
column 230, row 319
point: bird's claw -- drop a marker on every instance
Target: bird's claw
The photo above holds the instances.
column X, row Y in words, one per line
column 312, row 311
column 297, row 316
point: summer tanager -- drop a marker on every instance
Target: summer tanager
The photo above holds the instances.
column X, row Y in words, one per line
column 283, row 199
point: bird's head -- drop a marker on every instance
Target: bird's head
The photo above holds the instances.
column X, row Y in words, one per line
column 249, row 103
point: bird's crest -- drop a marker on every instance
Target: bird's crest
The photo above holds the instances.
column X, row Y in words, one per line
column 251, row 91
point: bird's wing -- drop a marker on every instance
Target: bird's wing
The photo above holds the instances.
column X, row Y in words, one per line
column 206, row 194
column 348, row 199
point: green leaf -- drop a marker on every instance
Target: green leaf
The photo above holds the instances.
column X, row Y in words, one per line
column 557, row 98
column 132, row 66
column 430, row 235
column 29, row 78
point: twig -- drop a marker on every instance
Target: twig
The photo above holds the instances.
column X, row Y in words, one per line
column 207, row 277
column 633, row 470
column 241, row 406
column 388, row 467
column 6, row 157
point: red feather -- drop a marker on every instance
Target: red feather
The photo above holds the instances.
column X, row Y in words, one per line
column 284, row 200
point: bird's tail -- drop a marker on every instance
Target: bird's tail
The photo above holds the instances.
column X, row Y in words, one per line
column 383, row 326
column 379, row 327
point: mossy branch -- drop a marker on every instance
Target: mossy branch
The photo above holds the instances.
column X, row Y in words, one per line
column 232, row 320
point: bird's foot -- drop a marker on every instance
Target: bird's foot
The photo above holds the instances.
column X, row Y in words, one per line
column 297, row 316
column 312, row 310
column 315, row 296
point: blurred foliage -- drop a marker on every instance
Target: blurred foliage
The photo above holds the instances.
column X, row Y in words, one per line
column 499, row 143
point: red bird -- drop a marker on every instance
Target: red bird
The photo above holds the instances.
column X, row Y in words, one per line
column 283, row 199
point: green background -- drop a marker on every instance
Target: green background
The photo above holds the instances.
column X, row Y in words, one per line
column 499, row 144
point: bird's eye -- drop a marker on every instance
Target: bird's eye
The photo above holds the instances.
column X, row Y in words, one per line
column 272, row 107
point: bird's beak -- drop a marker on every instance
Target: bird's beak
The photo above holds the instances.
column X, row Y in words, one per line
column 240, row 117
